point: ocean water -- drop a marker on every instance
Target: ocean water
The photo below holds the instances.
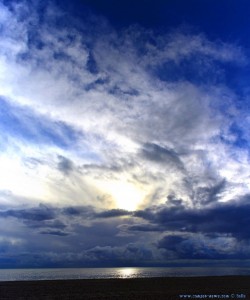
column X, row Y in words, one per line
column 104, row 273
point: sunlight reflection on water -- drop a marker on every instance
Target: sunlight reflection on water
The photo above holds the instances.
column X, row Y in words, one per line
column 128, row 272
column 123, row 273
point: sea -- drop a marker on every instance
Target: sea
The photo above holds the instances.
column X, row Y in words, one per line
column 122, row 273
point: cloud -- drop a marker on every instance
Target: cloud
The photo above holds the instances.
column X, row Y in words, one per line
column 40, row 213
column 224, row 218
column 54, row 232
column 199, row 247
column 132, row 252
column 93, row 117
column 161, row 155
column 144, row 227
column 72, row 211
column 65, row 165
column 102, row 119
column 211, row 194
column 177, row 45
column 7, row 244
column 82, row 236
column 113, row 213
column 96, row 256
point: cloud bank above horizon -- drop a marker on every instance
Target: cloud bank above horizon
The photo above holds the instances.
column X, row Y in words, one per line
column 118, row 145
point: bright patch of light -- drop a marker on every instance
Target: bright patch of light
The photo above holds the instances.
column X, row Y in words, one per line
column 124, row 194
column 128, row 272
column 20, row 181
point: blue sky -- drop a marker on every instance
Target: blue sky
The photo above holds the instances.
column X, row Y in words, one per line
column 124, row 133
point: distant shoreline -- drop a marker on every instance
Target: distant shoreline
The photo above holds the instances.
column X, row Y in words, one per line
column 167, row 288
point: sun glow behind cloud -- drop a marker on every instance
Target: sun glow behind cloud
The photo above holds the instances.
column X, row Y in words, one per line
column 123, row 194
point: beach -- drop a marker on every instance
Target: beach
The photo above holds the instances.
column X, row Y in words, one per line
column 217, row 287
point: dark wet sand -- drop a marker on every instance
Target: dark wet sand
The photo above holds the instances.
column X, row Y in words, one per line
column 223, row 287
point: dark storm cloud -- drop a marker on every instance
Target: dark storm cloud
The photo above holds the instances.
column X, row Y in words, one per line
column 55, row 224
column 101, row 256
column 77, row 222
column 225, row 218
column 113, row 213
column 54, row 232
column 170, row 242
column 131, row 253
column 208, row 233
column 51, row 224
column 141, row 227
column 44, row 216
column 40, row 213
column 88, row 212
column 228, row 218
column 191, row 248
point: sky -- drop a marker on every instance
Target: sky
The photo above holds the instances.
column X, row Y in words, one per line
column 124, row 133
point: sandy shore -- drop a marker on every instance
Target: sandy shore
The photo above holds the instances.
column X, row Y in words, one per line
column 224, row 287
